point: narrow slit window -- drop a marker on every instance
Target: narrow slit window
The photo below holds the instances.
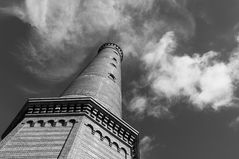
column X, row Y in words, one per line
column 112, row 77
column 115, row 59
column 113, row 65
column 116, row 52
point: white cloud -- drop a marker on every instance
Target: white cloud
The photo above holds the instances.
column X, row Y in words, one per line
column 142, row 106
column 142, row 5
column 216, row 87
column 159, row 111
column 204, row 79
column 77, row 20
column 70, row 26
column 138, row 105
column 234, row 123
column 63, row 32
column 145, row 145
column 71, row 20
column 65, row 29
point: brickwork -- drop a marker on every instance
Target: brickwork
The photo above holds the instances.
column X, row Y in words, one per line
column 93, row 142
column 38, row 138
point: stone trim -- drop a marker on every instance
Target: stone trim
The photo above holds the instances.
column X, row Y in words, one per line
column 70, row 139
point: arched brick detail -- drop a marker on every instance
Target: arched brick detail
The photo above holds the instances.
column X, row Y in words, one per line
column 107, row 140
column 41, row 123
column 123, row 151
column 73, row 121
column 115, row 146
column 52, row 123
column 98, row 133
column 91, row 128
column 62, row 122
column 31, row 123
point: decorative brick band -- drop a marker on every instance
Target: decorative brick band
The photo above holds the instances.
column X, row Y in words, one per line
column 102, row 138
column 52, row 123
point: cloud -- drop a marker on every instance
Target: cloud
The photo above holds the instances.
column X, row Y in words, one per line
column 143, row 106
column 138, row 105
column 74, row 20
column 234, row 123
column 62, row 33
column 146, row 145
column 204, row 80
column 27, row 90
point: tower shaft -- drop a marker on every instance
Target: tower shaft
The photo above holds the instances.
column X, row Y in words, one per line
column 101, row 80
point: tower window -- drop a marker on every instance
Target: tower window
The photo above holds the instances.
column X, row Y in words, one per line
column 116, row 52
column 112, row 77
column 113, row 65
column 114, row 59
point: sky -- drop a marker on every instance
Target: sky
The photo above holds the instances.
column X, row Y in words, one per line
column 179, row 74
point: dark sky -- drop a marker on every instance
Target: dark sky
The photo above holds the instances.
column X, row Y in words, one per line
column 179, row 72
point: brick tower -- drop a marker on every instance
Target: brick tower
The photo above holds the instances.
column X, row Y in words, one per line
column 84, row 123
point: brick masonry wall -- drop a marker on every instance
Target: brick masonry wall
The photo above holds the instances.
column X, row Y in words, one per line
column 38, row 138
column 93, row 142
column 66, row 137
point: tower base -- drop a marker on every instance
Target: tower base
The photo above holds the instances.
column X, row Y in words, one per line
column 68, row 128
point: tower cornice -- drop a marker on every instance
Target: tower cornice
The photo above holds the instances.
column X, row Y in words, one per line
column 113, row 46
